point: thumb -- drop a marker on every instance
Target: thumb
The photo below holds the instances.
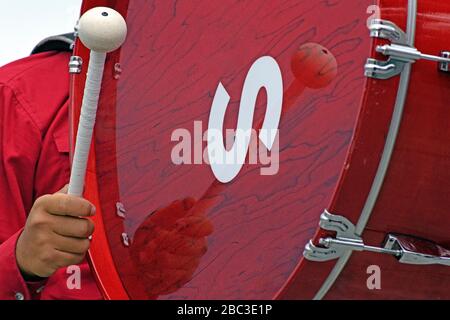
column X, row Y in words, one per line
column 64, row 190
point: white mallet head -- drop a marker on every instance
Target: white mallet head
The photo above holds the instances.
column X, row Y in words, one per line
column 102, row 29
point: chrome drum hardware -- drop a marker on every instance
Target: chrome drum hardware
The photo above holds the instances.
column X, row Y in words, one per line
column 407, row 249
column 75, row 65
column 398, row 52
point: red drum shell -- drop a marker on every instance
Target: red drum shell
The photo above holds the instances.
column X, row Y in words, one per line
column 254, row 228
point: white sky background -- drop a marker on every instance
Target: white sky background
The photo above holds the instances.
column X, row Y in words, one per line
column 23, row 23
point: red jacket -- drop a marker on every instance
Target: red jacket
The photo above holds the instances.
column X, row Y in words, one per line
column 34, row 161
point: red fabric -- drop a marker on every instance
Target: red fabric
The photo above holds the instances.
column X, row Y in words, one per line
column 34, row 153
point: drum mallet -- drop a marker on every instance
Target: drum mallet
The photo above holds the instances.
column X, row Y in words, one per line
column 101, row 30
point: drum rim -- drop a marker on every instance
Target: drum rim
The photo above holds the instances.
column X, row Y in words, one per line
column 103, row 267
column 386, row 156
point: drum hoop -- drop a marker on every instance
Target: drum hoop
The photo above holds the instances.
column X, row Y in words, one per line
column 386, row 156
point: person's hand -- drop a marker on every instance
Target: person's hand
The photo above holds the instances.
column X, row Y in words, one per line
column 56, row 234
column 167, row 248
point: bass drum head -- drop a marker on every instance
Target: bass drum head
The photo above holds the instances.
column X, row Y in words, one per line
column 175, row 228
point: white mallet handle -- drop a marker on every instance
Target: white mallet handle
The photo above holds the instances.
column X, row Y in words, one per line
column 101, row 30
column 87, row 122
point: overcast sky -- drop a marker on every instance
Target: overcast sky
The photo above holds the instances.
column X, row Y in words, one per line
column 23, row 23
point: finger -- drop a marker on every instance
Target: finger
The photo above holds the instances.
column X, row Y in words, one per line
column 195, row 226
column 73, row 226
column 182, row 245
column 71, row 245
column 66, row 205
column 165, row 217
column 65, row 259
column 143, row 253
column 169, row 239
column 168, row 260
column 195, row 248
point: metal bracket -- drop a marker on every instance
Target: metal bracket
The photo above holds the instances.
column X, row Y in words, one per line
column 120, row 210
column 399, row 53
column 125, row 239
column 76, row 33
column 75, row 65
column 345, row 231
column 408, row 250
column 388, row 30
column 445, row 66
column 383, row 69
column 418, row 251
column 117, row 71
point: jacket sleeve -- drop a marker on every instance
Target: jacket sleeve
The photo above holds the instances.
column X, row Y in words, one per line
column 20, row 140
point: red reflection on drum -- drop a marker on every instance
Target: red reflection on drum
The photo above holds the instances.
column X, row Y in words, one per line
column 167, row 248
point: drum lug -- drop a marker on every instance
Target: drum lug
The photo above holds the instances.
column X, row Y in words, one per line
column 125, row 239
column 383, row 69
column 399, row 53
column 388, row 30
column 120, row 210
column 117, row 71
column 75, row 65
column 407, row 249
column 345, row 231
column 445, row 66
column 76, row 62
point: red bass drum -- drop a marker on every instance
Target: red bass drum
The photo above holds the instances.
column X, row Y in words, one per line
column 273, row 150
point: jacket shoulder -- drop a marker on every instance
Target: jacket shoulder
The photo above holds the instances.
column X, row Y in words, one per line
column 34, row 65
column 40, row 83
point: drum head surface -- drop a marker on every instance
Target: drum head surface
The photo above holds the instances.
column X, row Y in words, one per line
column 178, row 232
